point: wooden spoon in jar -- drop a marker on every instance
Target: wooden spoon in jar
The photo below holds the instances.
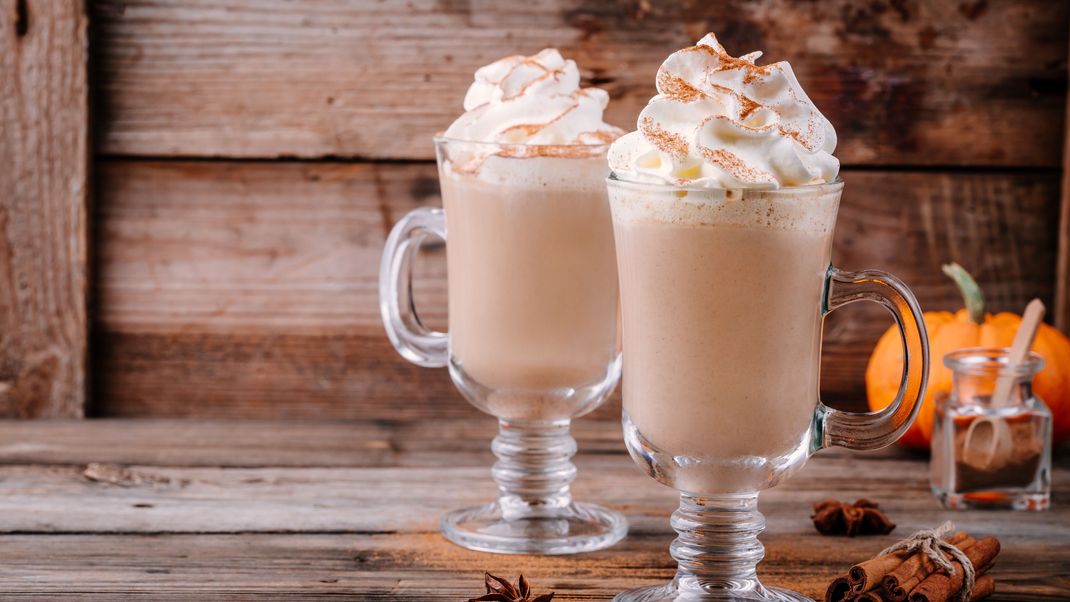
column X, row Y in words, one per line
column 988, row 443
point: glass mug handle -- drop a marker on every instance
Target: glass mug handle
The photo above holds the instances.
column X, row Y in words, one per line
column 414, row 341
column 873, row 430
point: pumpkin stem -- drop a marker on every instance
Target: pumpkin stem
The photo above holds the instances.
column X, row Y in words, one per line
column 972, row 296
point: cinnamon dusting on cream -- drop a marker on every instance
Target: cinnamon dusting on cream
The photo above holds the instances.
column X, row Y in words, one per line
column 678, row 88
column 726, row 122
column 731, row 163
column 666, row 141
column 529, row 106
column 533, row 62
column 747, row 106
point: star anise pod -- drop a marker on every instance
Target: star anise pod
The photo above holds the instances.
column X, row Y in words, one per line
column 833, row 517
column 500, row 590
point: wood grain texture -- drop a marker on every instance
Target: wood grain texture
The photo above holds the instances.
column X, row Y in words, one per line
column 139, row 498
column 424, row 567
column 1061, row 311
column 905, row 83
column 249, row 529
column 43, row 196
column 263, row 443
column 250, row 289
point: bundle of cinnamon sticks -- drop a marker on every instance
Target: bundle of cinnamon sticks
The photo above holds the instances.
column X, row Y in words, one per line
column 902, row 577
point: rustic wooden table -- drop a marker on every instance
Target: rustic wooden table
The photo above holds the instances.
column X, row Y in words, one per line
column 194, row 510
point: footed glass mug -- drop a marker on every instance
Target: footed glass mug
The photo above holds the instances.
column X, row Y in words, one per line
column 533, row 327
column 723, row 293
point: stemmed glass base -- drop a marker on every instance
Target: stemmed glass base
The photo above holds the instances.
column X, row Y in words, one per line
column 717, row 553
column 534, row 512
column 670, row 591
column 573, row 528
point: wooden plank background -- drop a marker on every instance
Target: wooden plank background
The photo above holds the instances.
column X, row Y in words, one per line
column 906, row 83
column 44, row 148
column 97, row 510
column 252, row 291
column 252, row 157
column 1062, row 274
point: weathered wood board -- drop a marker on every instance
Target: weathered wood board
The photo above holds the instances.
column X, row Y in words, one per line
column 265, row 443
column 249, row 289
column 44, row 165
column 416, row 568
column 312, row 518
column 1060, row 315
column 905, row 83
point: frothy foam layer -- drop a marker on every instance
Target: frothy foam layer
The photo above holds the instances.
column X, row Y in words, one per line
column 533, row 100
column 811, row 210
column 724, row 122
column 546, row 173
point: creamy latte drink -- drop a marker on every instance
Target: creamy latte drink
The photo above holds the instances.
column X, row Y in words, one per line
column 531, row 265
column 532, row 277
column 722, row 325
column 533, row 310
column 724, row 204
column 724, row 230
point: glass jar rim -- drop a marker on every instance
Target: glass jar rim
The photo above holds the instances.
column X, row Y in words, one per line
column 988, row 361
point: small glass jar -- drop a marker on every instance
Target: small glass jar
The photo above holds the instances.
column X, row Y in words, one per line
column 985, row 456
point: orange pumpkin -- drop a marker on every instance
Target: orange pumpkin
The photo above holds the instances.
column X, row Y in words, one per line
column 969, row 327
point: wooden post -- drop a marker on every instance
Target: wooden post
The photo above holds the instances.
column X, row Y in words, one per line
column 43, row 207
column 1061, row 315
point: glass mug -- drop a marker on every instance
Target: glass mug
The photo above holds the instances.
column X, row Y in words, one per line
column 533, row 327
column 723, row 293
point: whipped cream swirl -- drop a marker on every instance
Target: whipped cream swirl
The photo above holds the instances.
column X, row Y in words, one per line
column 534, row 100
column 724, row 122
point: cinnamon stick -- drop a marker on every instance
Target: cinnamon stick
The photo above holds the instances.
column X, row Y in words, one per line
column 899, row 583
column 869, row 575
column 928, row 568
column 869, row 597
column 939, row 587
column 983, row 587
column 839, row 590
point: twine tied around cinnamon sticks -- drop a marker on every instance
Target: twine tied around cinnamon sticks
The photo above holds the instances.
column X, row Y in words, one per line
column 931, row 542
column 909, row 571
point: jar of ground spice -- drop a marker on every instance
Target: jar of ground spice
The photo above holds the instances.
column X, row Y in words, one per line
column 989, row 449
